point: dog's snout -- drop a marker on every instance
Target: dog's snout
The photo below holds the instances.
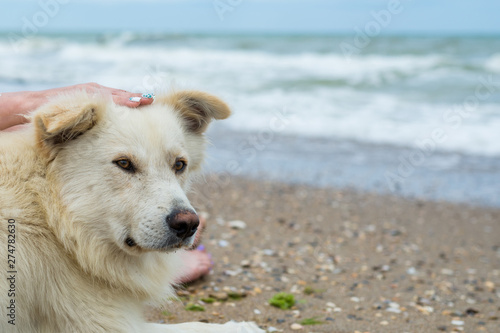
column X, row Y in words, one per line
column 184, row 223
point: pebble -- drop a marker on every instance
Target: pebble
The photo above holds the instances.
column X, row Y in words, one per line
column 489, row 285
column 232, row 273
column 393, row 310
column 245, row 263
column 257, row 311
column 237, row 224
column 425, row 309
column 411, row 271
column 182, row 293
column 296, row 327
column 471, row 312
column 273, row 329
column 295, row 289
column 371, row 228
column 394, row 305
column 221, row 296
column 457, row 322
column 223, row 243
column 338, row 271
column 268, row 252
column 396, row 233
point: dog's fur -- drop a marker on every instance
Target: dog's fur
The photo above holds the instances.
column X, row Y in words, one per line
column 75, row 210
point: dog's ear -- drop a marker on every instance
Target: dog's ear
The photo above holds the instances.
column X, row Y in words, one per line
column 66, row 118
column 197, row 108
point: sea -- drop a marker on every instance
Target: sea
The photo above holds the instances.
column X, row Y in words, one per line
column 416, row 116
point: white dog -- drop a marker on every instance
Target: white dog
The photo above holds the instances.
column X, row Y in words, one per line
column 93, row 209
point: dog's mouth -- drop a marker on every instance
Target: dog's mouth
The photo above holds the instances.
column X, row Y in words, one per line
column 166, row 247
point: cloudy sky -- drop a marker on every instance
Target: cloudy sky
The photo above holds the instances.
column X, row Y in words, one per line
column 261, row 16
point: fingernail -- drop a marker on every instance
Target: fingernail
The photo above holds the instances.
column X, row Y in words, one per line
column 135, row 99
column 201, row 247
column 148, row 95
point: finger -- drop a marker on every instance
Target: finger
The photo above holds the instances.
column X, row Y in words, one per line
column 131, row 102
column 118, row 92
column 132, row 99
column 146, row 101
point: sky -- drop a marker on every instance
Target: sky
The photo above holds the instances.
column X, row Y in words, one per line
column 252, row 16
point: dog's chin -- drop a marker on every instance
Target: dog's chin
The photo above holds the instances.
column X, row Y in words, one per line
column 166, row 246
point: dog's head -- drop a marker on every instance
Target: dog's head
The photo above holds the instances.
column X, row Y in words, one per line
column 121, row 173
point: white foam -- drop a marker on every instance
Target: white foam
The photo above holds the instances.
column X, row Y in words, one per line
column 390, row 99
column 493, row 63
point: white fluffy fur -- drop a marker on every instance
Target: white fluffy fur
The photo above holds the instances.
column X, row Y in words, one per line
column 73, row 209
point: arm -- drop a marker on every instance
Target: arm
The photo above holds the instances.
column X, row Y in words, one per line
column 14, row 106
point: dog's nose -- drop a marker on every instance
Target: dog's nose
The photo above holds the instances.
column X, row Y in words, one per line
column 184, row 223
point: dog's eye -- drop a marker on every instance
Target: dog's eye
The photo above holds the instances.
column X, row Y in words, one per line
column 125, row 164
column 179, row 166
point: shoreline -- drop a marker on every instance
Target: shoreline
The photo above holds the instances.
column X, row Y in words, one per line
column 355, row 261
column 343, row 164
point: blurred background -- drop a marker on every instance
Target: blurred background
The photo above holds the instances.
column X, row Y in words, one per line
column 390, row 96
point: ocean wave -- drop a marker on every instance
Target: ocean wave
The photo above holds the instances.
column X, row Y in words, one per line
column 394, row 98
column 303, row 67
column 493, row 63
column 371, row 118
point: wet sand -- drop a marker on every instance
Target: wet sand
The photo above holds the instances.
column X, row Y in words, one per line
column 355, row 262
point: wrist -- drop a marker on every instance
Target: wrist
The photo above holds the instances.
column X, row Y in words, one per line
column 15, row 106
column 31, row 100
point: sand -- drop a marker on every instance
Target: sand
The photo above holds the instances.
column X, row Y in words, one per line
column 355, row 262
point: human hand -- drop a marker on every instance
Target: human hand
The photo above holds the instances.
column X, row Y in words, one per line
column 14, row 106
column 120, row 97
